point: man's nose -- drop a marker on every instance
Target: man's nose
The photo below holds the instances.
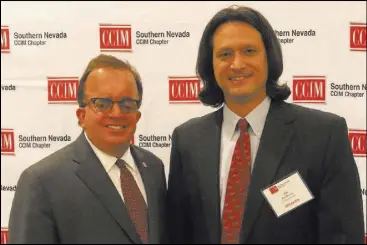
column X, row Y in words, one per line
column 115, row 110
column 239, row 62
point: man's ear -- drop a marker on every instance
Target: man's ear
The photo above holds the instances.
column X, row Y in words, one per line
column 138, row 116
column 80, row 113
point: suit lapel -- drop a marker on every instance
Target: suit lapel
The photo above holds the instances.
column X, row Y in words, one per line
column 92, row 173
column 152, row 200
column 209, row 156
column 275, row 138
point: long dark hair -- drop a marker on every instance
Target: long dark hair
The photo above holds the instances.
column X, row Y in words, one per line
column 211, row 94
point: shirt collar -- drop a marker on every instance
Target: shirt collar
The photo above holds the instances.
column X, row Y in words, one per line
column 109, row 161
column 256, row 118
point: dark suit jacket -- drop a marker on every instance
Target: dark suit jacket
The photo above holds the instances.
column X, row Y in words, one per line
column 294, row 138
column 69, row 198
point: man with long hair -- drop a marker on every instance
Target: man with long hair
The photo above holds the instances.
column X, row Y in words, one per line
column 258, row 170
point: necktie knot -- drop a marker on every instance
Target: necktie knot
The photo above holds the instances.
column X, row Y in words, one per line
column 243, row 124
column 121, row 163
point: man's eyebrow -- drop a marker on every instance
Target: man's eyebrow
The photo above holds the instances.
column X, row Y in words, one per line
column 127, row 98
column 221, row 49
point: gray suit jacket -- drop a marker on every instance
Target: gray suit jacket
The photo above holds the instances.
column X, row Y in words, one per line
column 69, row 198
column 294, row 138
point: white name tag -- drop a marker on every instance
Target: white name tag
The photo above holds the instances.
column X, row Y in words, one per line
column 287, row 194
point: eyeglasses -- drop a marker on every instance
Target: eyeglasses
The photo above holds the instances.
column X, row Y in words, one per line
column 105, row 105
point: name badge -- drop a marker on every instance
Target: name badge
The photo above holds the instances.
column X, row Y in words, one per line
column 287, row 194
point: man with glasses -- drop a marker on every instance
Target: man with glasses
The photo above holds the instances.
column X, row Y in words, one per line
column 100, row 188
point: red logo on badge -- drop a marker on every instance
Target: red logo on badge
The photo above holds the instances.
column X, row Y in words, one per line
column 273, row 189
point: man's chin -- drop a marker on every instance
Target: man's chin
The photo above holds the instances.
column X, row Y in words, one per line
column 117, row 141
column 238, row 95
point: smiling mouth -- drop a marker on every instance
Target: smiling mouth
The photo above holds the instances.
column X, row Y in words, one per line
column 239, row 78
column 116, row 126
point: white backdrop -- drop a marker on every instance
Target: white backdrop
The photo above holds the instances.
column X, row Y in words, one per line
column 41, row 41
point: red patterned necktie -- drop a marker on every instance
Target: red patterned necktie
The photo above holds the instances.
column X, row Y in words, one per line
column 237, row 185
column 134, row 201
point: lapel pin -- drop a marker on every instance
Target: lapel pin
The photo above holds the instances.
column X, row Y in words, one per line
column 144, row 164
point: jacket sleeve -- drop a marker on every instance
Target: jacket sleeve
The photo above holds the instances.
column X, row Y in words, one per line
column 31, row 218
column 340, row 209
column 175, row 195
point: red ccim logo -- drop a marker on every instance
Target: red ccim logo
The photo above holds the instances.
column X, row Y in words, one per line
column 273, row 189
column 358, row 142
column 184, row 89
column 309, row 89
column 4, row 236
column 5, row 39
column 357, row 36
column 115, row 38
column 7, row 142
column 62, row 90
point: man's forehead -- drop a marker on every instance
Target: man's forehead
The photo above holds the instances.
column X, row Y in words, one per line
column 106, row 74
column 101, row 71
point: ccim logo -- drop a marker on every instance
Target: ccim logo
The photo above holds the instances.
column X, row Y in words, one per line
column 358, row 142
column 115, row 38
column 357, row 37
column 7, row 142
column 4, row 235
column 184, row 89
column 5, row 39
column 274, row 189
column 62, row 90
column 309, row 89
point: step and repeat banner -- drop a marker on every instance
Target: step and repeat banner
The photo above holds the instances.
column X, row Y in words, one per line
column 45, row 47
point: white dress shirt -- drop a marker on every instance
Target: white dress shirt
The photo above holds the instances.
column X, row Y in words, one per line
column 229, row 136
column 109, row 164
